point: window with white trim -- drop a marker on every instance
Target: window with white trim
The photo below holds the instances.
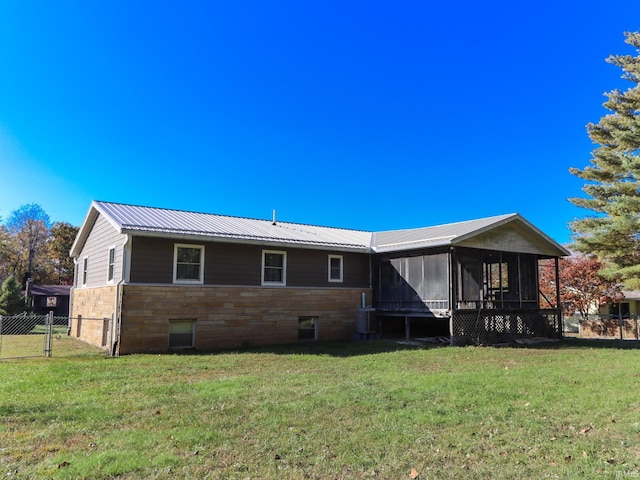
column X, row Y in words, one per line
column 274, row 267
column 111, row 267
column 85, row 270
column 188, row 263
column 335, row 268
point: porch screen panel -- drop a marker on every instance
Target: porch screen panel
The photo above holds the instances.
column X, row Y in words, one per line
column 413, row 286
column 470, row 276
column 436, row 278
column 390, row 281
column 528, row 277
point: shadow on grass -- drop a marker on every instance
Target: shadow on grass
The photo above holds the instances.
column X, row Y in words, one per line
column 575, row 342
column 349, row 348
column 346, row 348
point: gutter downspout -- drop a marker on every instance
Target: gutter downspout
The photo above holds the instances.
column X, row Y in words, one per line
column 117, row 316
column 71, row 292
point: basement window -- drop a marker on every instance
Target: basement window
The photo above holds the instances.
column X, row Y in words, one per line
column 181, row 333
column 307, row 328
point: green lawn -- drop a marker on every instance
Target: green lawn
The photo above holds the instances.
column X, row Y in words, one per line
column 32, row 344
column 371, row 410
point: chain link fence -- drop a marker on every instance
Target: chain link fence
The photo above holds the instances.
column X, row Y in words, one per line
column 493, row 326
column 29, row 335
column 24, row 336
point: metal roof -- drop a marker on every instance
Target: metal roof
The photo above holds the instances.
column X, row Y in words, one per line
column 460, row 233
column 435, row 236
column 135, row 219
column 138, row 220
column 50, row 290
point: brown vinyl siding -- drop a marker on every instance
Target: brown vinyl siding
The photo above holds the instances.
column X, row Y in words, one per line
column 152, row 260
column 311, row 268
column 241, row 264
column 232, row 264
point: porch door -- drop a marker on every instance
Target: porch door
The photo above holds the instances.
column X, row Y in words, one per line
column 469, row 284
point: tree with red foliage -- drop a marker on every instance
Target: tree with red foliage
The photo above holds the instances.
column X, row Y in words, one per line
column 583, row 289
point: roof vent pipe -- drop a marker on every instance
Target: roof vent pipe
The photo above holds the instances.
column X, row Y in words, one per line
column 274, row 217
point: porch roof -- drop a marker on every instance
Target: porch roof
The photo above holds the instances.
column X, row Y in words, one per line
column 509, row 232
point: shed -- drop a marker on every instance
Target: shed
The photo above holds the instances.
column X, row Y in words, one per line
column 47, row 298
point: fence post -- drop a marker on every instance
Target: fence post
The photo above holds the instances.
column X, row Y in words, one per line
column 620, row 322
column 48, row 330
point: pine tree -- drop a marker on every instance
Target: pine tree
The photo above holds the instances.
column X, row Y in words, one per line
column 11, row 300
column 613, row 178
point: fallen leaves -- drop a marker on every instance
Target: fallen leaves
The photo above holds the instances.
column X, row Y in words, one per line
column 414, row 473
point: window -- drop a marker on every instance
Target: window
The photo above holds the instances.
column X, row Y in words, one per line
column 619, row 309
column 307, row 328
column 181, row 333
column 111, row 264
column 188, row 263
column 335, row 268
column 274, row 267
column 85, row 268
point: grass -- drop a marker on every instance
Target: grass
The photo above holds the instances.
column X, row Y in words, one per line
column 32, row 344
column 325, row 410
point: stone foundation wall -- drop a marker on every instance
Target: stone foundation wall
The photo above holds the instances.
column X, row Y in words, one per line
column 91, row 313
column 234, row 316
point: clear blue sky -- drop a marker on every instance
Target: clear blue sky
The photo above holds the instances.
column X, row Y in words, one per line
column 372, row 115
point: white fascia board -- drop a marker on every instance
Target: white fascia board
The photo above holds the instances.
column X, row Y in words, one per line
column 87, row 225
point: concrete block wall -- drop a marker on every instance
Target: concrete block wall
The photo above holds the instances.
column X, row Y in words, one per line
column 89, row 309
column 234, row 316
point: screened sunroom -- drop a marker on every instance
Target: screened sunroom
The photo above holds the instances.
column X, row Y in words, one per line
column 472, row 282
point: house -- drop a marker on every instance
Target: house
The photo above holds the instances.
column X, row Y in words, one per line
column 628, row 308
column 47, row 298
column 151, row 280
column 617, row 320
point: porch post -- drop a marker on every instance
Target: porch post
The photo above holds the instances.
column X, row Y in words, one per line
column 407, row 328
column 519, row 283
column 558, row 302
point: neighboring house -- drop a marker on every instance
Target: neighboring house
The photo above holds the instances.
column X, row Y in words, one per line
column 150, row 279
column 629, row 307
column 47, row 298
column 616, row 320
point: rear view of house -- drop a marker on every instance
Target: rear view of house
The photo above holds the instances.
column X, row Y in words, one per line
column 152, row 280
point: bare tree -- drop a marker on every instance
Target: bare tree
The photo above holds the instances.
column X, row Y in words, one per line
column 29, row 225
